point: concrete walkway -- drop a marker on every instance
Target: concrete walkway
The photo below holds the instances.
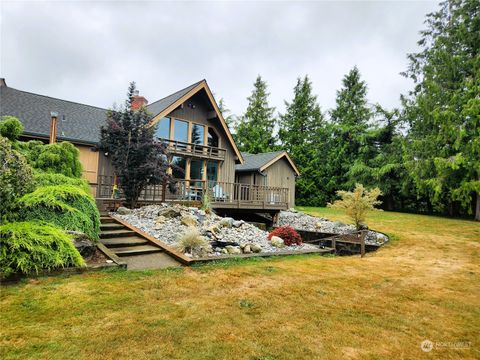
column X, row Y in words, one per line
column 150, row 261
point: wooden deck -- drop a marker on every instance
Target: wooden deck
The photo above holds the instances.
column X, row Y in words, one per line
column 198, row 151
column 222, row 195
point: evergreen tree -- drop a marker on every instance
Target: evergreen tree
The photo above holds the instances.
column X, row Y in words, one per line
column 254, row 133
column 348, row 142
column 302, row 135
column 381, row 163
column 227, row 115
column 443, row 110
column 137, row 158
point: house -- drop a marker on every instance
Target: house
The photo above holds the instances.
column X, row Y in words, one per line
column 197, row 139
column 272, row 169
column 77, row 123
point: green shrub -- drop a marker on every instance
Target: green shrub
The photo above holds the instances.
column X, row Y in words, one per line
column 10, row 127
column 59, row 158
column 66, row 206
column 16, row 177
column 28, row 247
column 48, row 179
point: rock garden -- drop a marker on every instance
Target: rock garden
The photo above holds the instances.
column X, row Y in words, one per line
column 200, row 234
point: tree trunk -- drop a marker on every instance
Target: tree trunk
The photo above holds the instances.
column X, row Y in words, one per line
column 477, row 209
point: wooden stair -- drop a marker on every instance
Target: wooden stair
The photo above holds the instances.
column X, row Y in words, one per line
column 123, row 241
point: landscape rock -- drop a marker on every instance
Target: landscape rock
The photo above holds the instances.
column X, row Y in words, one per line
column 170, row 212
column 256, row 248
column 160, row 220
column 123, row 211
column 226, row 222
column 163, row 222
column 233, row 249
column 189, row 220
column 302, row 221
column 83, row 244
column 247, row 249
column 237, row 223
column 277, row 241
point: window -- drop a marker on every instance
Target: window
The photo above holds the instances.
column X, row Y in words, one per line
column 178, row 167
column 212, row 171
column 198, row 134
column 163, row 128
column 180, row 131
column 196, row 170
column 212, row 138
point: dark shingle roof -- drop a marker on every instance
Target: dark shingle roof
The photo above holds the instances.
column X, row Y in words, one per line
column 254, row 162
column 76, row 122
column 158, row 106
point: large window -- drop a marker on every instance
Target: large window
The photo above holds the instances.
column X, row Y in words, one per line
column 163, row 128
column 212, row 171
column 178, row 167
column 196, row 169
column 196, row 172
column 198, row 134
column 180, row 131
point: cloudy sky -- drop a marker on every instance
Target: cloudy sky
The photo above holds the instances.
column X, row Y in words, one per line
column 89, row 51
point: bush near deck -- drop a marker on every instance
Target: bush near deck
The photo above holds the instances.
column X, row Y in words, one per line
column 30, row 246
column 42, row 178
column 66, row 206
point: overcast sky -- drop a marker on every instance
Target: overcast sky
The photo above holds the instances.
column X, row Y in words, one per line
column 89, row 51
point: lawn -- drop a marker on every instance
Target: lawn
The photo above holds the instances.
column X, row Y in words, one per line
column 424, row 285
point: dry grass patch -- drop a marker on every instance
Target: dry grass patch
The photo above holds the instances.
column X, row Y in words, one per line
column 424, row 285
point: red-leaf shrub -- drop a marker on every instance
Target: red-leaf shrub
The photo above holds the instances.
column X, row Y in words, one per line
column 289, row 235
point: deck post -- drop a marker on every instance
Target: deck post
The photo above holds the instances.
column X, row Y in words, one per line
column 164, row 190
column 362, row 243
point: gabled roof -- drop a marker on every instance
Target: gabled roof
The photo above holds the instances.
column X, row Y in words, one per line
column 76, row 122
column 160, row 105
column 166, row 105
column 260, row 162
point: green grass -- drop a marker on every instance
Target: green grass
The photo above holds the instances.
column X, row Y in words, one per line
column 423, row 285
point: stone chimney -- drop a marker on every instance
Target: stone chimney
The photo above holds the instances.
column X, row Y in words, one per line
column 138, row 101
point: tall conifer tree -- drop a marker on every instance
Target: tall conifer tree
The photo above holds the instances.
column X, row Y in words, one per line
column 443, row 110
column 302, row 134
column 254, row 133
column 349, row 123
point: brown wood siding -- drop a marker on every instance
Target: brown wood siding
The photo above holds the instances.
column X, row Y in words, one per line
column 89, row 160
column 281, row 174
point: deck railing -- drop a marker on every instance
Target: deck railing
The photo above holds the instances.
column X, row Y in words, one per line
column 194, row 150
column 221, row 194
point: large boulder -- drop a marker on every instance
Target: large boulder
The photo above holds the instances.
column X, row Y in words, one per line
column 83, row 244
column 226, row 222
column 255, row 248
column 277, row 242
column 123, row 211
column 189, row 220
column 232, row 250
column 170, row 212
